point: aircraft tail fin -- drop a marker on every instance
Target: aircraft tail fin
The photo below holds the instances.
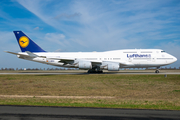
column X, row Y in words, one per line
column 26, row 44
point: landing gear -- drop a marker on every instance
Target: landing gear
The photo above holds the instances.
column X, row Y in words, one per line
column 94, row 71
column 157, row 70
column 100, row 71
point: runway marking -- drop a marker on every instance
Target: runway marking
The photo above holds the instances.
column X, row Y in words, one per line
column 61, row 97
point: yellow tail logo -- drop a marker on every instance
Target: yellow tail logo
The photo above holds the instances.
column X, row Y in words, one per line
column 23, row 41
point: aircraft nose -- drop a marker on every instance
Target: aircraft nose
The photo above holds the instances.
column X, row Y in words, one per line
column 175, row 59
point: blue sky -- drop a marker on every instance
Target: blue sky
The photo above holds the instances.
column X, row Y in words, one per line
column 89, row 25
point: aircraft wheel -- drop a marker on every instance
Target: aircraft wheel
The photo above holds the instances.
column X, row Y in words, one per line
column 100, row 71
column 157, row 71
column 94, row 71
column 91, row 71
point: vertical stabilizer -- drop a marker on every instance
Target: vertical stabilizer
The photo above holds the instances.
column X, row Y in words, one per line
column 26, row 44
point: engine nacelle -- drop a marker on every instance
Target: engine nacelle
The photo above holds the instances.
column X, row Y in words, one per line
column 113, row 67
column 85, row 65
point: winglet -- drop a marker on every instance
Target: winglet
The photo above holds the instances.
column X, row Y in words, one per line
column 26, row 44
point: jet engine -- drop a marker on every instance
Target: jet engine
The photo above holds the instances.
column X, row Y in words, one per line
column 85, row 65
column 113, row 67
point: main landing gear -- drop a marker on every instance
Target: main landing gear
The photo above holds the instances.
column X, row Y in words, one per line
column 157, row 70
column 94, row 71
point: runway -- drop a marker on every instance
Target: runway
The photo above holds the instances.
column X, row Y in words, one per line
column 66, row 113
column 84, row 73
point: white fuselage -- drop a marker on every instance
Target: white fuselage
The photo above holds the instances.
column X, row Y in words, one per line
column 128, row 58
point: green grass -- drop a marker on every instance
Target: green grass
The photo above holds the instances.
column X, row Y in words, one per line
column 129, row 91
column 133, row 104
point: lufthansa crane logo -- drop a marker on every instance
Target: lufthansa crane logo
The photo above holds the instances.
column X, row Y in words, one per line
column 23, row 41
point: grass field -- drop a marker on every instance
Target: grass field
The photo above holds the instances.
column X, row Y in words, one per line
column 128, row 91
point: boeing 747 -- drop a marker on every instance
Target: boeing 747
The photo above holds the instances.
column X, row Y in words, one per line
column 94, row 62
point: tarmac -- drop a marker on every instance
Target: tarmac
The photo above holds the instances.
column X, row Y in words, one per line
column 76, row 72
column 72, row 113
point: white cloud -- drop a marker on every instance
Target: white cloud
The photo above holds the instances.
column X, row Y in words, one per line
column 67, row 16
column 56, row 38
column 38, row 28
column 105, row 22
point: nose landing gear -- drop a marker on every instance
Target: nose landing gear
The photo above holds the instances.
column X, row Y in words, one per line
column 157, row 70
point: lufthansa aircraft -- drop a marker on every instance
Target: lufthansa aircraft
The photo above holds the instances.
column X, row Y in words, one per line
column 93, row 61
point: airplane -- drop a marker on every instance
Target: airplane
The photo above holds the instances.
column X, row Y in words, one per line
column 94, row 62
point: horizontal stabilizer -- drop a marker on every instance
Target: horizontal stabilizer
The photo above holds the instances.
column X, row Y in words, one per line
column 17, row 54
column 12, row 52
column 29, row 54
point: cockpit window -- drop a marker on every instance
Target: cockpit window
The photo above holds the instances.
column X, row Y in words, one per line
column 162, row 51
